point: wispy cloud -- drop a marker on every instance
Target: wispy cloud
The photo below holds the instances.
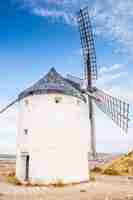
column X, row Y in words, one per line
column 113, row 68
column 56, row 14
column 107, row 79
column 112, row 19
column 108, row 75
column 57, row 10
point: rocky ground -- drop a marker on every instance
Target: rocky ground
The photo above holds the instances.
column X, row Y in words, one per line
column 103, row 188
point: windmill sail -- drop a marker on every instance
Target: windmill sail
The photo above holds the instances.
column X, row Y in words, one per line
column 87, row 43
column 89, row 55
column 116, row 109
column 8, row 106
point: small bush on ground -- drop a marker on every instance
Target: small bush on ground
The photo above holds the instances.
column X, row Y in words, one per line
column 92, row 177
column 13, row 180
column 59, row 183
column 96, row 169
column 111, row 171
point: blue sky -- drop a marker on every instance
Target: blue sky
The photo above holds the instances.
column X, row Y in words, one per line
column 36, row 35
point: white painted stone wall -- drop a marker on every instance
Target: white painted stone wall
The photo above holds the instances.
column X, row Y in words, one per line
column 58, row 139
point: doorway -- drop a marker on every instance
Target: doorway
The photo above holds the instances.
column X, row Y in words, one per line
column 27, row 168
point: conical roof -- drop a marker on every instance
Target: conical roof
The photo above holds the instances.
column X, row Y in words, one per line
column 53, row 82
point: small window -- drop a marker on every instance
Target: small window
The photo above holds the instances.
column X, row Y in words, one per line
column 26, row 131
column 26, row 102
column 58, row 99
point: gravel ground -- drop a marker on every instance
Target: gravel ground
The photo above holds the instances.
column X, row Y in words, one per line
column 104, row 188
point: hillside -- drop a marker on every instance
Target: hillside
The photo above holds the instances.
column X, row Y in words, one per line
column 120, row 166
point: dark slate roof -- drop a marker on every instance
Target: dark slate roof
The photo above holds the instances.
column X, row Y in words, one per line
column 51, row 83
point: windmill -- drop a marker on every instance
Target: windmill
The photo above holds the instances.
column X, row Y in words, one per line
column 114, row 108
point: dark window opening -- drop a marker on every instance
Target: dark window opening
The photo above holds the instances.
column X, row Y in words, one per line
column 58, row 99
column 26, row 131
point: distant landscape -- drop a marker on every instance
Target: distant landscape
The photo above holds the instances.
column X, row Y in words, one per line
column 7, row 156
column 101, row 158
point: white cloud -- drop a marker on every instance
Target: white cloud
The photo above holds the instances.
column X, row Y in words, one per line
column 54, row 9
column 108, row 75
column 112, row 68
column 106, row 79
column 8, row 121
column 64, row 16
column 112, row 19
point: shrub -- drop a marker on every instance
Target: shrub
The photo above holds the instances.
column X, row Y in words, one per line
column 92, row 177
column 96, row 169
column 110, row 171
column 13, row 180
column 59, row 183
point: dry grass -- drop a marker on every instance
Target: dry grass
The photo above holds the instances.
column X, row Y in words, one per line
column 92, row 176
column 59, row 183
column 121, row 166
column 12, row 179
column 97, row 169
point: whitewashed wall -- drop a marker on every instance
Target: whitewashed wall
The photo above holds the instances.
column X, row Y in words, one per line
column 58, row 139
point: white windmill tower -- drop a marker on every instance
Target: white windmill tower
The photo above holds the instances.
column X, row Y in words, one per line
column 53, row 139
column 54, row 133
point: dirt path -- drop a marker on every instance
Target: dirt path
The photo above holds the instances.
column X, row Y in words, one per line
column 104, row 188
